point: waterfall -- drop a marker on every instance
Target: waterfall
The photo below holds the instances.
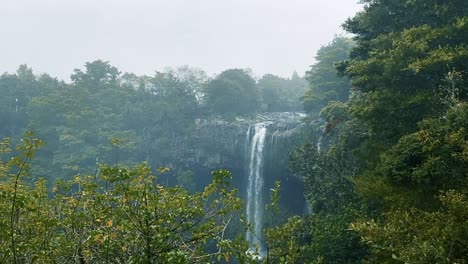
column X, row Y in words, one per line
column 255, row 184
column 319, row 143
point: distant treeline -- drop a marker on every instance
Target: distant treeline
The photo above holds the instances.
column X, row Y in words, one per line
column 390, row 185
column 104, row 116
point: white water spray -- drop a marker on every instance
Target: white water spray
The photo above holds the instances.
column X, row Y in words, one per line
column 254, row 209
column 319, row 144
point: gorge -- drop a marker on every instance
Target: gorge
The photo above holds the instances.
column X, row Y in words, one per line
column 267, row 140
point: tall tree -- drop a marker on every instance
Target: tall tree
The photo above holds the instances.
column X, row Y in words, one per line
column 324, row 83
column 410, row 56
column 280, row 94
column 410, row 87
column 233, row 92
column 17, row 90
column 87, row 115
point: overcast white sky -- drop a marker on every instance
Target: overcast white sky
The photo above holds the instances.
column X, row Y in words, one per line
column 142, row 36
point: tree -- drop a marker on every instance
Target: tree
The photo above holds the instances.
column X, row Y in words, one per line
column 381, row 17
column 17, row 91
column 404, row 70
column 97, row 75
column 399, row 143
column 333, row 201
column 279, row 94
column 422, row 164
column 87, row 114
column 324, row 83
column 408, row 71
column 164, row 114
column 232, row 92
column 118, row 215
column 417, row 236
column 404, row 73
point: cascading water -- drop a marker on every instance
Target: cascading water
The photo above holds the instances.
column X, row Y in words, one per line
column 255, row 185
column 319, row 144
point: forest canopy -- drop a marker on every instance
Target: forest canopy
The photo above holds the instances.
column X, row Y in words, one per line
column 116, row 170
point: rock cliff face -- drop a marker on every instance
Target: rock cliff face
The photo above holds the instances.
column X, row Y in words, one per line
column 219, row 143
column 256, row 151
column 222, row 143
column 227, row 144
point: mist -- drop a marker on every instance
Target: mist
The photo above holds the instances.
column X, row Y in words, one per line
column 247, row 131
column 277, row 37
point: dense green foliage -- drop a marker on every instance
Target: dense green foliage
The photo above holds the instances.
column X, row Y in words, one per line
column 394, row 173
column 17, row 91
column 386, row 180
column 232, row 92
column 116, row 216
column 104, row 116
column 281, row 95
column 324, row 83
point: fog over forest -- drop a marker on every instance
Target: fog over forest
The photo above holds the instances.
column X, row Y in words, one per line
column 142, row 36
column 234, row 131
